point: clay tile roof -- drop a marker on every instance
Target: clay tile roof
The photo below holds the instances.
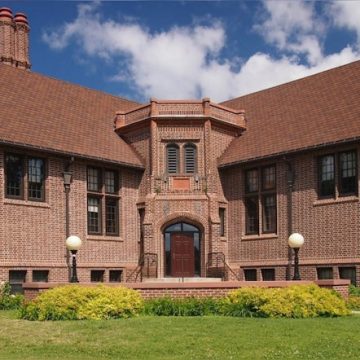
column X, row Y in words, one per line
column 311, row 112
column 44, row 113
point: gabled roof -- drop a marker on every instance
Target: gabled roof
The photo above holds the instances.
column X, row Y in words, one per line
column 311, row 112
column 40, row 112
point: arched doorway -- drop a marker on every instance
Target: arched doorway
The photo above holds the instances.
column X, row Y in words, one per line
column 182, row 250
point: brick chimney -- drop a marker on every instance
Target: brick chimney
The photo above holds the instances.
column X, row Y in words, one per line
column 14, row 39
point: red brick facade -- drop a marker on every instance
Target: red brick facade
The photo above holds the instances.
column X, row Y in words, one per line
column 151, row 198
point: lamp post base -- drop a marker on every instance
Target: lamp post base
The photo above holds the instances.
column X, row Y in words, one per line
column 296, row 263
column 74, row 278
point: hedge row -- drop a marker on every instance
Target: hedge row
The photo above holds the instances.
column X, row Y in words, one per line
column 101, row 302
column 73, row 302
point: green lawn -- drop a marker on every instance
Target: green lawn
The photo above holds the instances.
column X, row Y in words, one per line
column 180, row 338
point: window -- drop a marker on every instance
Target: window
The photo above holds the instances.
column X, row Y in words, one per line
column 324, row 273
column 102, row 201
column 347, row 173
column 268, row 274
column 40, row 275
column 115, row 275
column 190, row 158
column 172, row 159
column 250, row 274
column 97, row 275
column 342, row 178
column 222, row 221
column 348, row 272
column 16, row 279
column 260, row 194
column 24, row 171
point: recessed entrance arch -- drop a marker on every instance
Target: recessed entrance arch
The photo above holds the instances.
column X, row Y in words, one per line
column 182, row 250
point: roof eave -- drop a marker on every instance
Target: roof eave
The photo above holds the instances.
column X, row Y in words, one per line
column 289, row 152
column 69, row 153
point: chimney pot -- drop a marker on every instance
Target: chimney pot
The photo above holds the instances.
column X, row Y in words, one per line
column 6, row 12
column 21, row 18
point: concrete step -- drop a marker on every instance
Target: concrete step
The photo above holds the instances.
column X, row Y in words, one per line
column 180, row 280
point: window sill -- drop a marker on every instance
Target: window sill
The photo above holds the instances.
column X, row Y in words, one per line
column 104, row 238
column 259, row 237
column 339, row 200
column 21, row 202
column 223, row 238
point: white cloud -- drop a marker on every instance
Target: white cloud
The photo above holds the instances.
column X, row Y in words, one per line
column 185, row 62
column 346, row 14
column 293, row 26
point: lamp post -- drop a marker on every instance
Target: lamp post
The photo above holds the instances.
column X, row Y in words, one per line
column 73, row 244
column 296, row 241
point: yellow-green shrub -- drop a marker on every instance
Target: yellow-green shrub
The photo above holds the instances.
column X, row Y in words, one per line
column 300, row 301
column 73, row 302
column 354, row 303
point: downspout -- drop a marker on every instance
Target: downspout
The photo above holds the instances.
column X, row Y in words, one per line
column 67, row 208
column 290, row 188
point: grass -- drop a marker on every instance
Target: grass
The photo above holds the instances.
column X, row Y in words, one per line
column 180, row 338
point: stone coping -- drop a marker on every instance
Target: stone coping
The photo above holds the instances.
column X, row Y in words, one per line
column 198, row 285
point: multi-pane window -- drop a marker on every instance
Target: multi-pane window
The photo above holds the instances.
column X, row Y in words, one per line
column 94, row 215
column 111, row 215
column 23, row 171
column 36, row 178
column 260, row 198
column 338, row 172
column 190, row 158
column 103, row 201
column 327, row 175
column 172, row 158
column 347, row 173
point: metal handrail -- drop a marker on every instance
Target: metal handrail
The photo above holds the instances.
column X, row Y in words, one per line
column 147, row 259
column 218, row 258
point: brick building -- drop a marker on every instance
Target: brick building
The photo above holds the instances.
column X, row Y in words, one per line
column 175, row 188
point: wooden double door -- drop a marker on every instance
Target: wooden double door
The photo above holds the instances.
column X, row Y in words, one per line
column 182, row 255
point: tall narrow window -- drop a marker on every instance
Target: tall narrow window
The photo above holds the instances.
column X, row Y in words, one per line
column 269, row 213
column 93, row 179
column 222, row 221
column 36, row 179
column 94, row 215
column 111, row 216
column 172, row 159
column 14, row 175
column 327, row 176
column 260, row 198
column 190, row 158
column 252, row 201
column 252, row 215
column 103, row 201
column 347, row 175
column 110, row 181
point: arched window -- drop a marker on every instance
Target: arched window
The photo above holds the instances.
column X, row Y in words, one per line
column 172, row 159
column 190, row 158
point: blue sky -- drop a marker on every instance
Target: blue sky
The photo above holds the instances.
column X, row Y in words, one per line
column 189, row 49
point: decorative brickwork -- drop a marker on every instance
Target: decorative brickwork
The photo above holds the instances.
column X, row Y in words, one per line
column 179, row 162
